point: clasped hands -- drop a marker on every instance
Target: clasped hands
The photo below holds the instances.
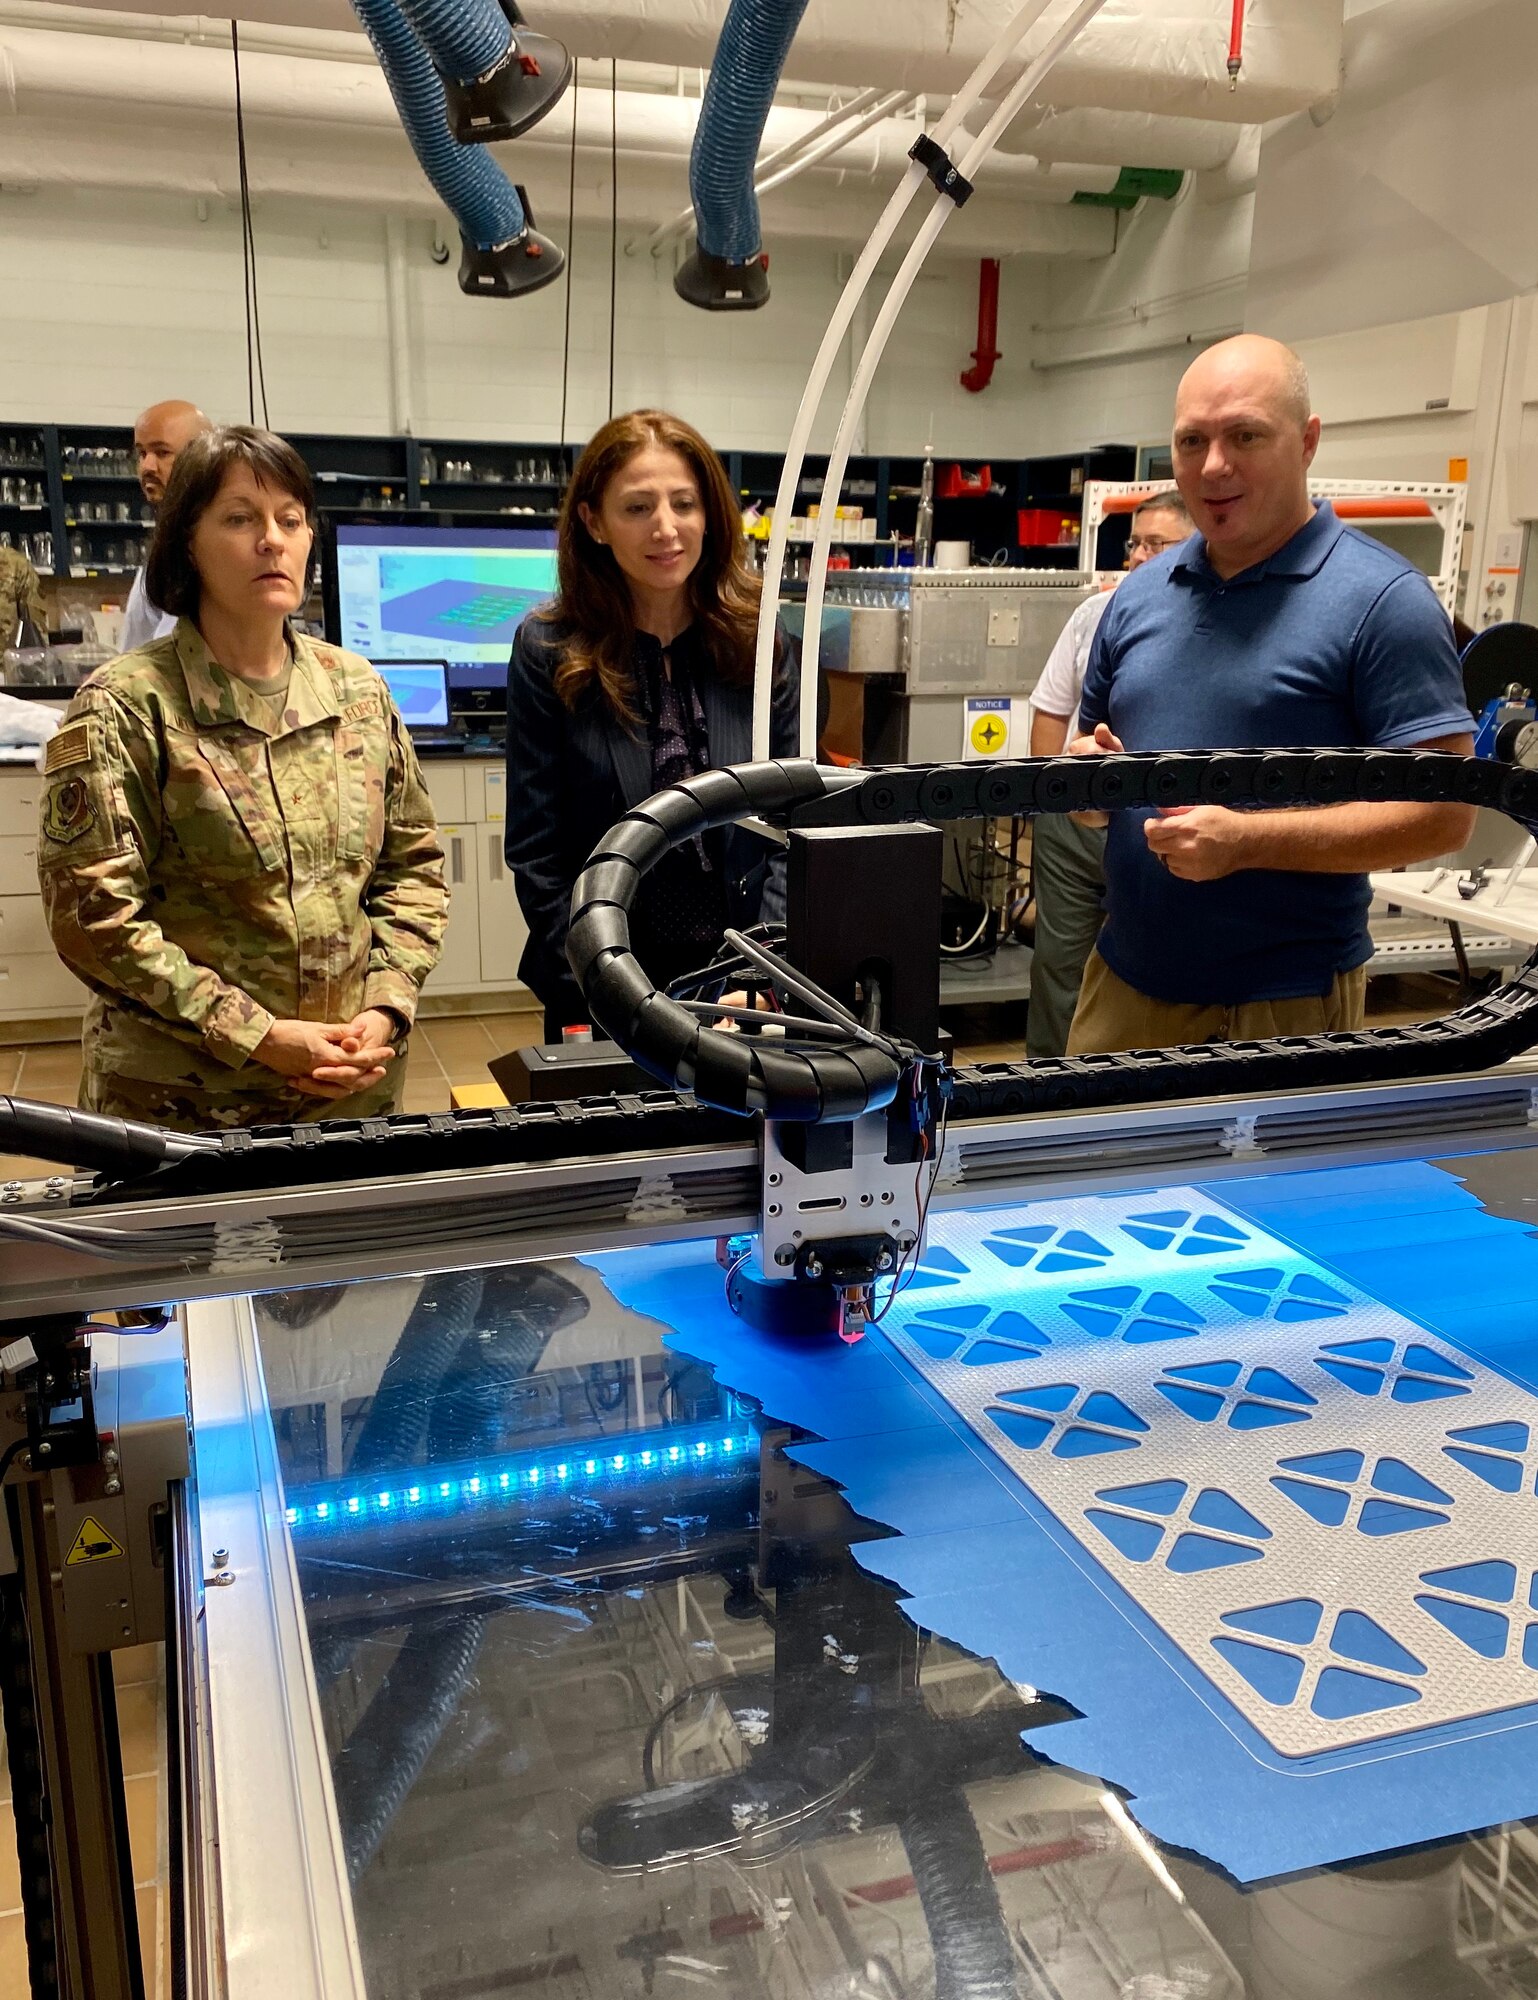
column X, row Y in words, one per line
column 1196, row 843
column 328, row 1058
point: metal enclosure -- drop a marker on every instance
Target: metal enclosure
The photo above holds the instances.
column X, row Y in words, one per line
column 986, row 631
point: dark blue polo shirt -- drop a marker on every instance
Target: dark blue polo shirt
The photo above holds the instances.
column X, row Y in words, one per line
column 1334, row 640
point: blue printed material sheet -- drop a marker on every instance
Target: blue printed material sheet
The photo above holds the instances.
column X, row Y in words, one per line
column 1243, row 1475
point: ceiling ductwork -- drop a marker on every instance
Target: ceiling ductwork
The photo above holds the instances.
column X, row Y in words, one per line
column 1111, row 138
column 1152, row 56
column 73, row 110
column 1167, row 56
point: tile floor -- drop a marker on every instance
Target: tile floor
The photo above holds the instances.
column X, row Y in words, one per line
column 445, row 1052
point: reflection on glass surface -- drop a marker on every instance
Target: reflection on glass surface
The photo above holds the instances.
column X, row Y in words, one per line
column 613, row 1710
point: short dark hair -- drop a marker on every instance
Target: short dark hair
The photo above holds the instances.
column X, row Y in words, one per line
column 1167, row 502
column 171, row 579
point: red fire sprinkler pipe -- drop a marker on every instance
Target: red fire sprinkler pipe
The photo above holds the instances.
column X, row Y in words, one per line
column 1236, row 45
column 986, row 352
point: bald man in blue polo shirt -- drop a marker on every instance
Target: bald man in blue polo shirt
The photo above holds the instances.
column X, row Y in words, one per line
column 1272, row 626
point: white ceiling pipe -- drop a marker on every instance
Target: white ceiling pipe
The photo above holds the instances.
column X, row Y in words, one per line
column 195, row 158
column 1127, row 138
column 1166, row 55
column 329, row 16
column 1240, row 172
column 337, row 45
column 79, row 75
column 1161, row 55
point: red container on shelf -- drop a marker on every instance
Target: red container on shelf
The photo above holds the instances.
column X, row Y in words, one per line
column 1040, row 527
column 954, row 484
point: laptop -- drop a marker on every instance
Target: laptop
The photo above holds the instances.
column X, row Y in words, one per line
column 420, row 691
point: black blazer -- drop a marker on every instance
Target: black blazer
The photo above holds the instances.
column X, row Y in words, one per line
column 572, row 773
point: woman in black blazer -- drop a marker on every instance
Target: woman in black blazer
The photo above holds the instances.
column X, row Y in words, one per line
column 639, row 674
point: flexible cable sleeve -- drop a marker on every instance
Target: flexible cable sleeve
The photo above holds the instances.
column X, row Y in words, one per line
column 473, row 187
column 719, row 1069
column 413, row 1705
column 89, row 1141
column 973, row 1956
column 733, row 1072
column 971, row 160
column 755, row 40
column 1004, row 46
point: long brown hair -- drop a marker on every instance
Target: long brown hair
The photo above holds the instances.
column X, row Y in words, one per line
column 593, row 602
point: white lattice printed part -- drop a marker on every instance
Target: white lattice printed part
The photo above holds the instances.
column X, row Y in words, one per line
column 1329, row 1511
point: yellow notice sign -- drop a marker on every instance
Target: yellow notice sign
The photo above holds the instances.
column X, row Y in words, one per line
column 93, row 1544
column 988, row 728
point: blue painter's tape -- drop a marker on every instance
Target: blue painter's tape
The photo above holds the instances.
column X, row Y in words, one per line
column 1075, row 1603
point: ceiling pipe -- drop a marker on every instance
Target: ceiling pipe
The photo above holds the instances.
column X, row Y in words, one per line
column 839, row 129
column 1163, row 55
column 986, row 353
column 87, row 76
column 378, row 174
column 1123, row 354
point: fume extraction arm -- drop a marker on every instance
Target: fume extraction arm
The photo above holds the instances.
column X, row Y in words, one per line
column 464, row 73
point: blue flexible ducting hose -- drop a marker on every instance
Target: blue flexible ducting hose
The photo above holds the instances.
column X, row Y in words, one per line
column 466, row 37
column 755, row 40
column 483, row 200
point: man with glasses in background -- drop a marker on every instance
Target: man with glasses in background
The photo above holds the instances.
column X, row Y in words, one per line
column 1067, row 857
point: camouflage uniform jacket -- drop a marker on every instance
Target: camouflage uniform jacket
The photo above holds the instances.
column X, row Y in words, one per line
column 21, row 596
column 206, row 870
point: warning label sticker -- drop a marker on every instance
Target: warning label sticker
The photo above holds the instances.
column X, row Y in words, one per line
column 93, row 1544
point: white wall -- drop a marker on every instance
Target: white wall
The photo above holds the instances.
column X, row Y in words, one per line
column 116, row 299
column 1178, row 270
column 1416, row 197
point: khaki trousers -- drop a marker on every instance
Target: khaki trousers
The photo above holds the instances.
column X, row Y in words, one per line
column 1113, row 1016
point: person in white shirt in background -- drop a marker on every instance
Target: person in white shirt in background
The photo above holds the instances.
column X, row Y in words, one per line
column 1068, row 860
column 159, row 435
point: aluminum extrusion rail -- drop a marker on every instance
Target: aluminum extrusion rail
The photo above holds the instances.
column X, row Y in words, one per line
column 742, row 1073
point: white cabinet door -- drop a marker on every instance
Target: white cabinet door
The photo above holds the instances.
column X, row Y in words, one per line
column 445, row 782
column 23, row 927
column 37, row 983
column 459, row 966
column 18, row 802
column 503, row 931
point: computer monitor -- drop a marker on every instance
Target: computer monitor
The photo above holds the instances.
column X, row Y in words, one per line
column 451, row 589
column 419, row 689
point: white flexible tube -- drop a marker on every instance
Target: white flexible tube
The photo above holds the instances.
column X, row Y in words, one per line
column 1002, row 49
column 891, row 105
column 974, row 156
column 835, row 121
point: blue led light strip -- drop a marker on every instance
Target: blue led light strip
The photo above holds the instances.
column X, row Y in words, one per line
column 630, row 1459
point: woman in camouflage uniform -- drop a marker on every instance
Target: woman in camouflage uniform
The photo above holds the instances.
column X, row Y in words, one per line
column 237, row 852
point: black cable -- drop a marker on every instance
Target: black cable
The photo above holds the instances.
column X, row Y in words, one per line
column 571, row 247
column 29, row 1804
column 613, row 217
column 256, row 373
